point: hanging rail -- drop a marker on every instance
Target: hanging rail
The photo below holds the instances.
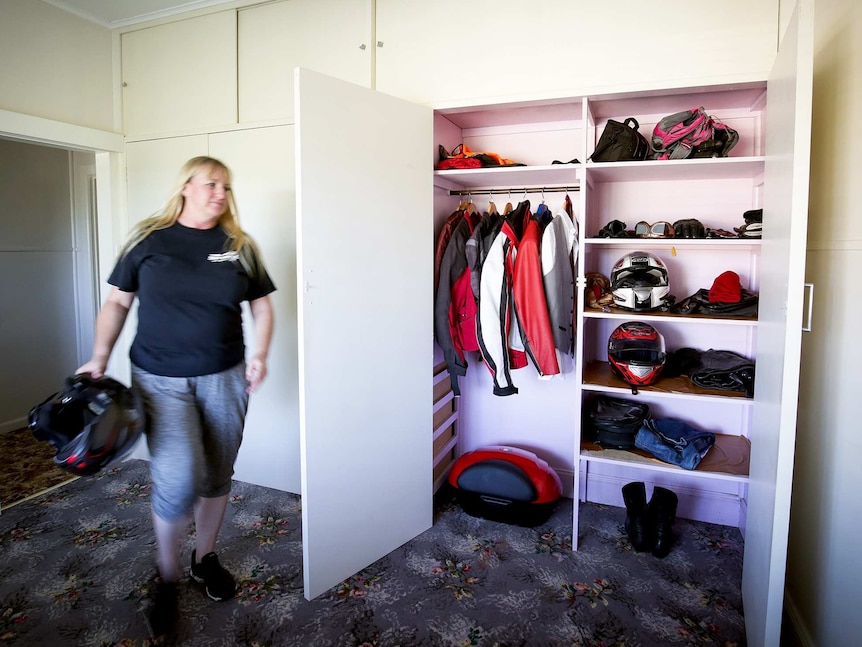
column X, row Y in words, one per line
column 557, row 189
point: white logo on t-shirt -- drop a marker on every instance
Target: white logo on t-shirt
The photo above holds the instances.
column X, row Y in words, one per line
column 221, row 258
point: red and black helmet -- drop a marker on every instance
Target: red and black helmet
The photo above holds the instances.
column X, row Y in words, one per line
column 90, row 423
column 636, row 352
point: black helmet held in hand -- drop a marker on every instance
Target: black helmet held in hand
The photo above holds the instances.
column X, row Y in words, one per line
column 90, row 423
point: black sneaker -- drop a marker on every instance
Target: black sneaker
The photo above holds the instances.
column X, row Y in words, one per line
column 219, row 583
column 163, row 613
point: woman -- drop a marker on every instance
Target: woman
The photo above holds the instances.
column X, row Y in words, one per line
column 190, row 267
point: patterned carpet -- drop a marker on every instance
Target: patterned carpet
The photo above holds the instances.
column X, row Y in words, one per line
column 28, row 468
column 76, row 568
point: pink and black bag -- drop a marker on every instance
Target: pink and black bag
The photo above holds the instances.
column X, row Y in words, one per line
column 691, row 133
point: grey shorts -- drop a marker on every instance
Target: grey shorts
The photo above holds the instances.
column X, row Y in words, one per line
column 194, row 430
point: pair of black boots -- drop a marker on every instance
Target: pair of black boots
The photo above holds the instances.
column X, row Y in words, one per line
column 649, row 526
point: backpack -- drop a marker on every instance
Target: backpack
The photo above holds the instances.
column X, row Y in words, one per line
column 621, row 142
column 691, row 133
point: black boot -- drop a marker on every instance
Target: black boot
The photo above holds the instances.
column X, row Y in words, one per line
column 637, row 526
column 662, row 514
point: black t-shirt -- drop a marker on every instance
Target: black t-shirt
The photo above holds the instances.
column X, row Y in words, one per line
column 189, row 292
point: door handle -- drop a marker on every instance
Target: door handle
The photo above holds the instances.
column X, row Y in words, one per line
column 808, row 297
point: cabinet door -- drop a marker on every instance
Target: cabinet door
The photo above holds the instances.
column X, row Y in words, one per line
column 365, row 273
column 151, row 170
column 263, row 180
column 453, row 51
column 152, row 167
column 262, row 169
column 332, row 38
column 180, row 75
column 785, row 215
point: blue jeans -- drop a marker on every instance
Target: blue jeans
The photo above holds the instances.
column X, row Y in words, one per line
column 674, row 441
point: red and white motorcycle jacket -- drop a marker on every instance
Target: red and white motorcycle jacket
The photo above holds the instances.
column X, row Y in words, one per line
column 499, row 335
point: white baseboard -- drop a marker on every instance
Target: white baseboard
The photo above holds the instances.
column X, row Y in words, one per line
column 707, row 505
column 12, row 425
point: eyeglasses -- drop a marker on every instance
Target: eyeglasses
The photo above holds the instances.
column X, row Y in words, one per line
column 659, row 229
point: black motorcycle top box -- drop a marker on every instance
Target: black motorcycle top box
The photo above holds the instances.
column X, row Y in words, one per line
column 505, row 484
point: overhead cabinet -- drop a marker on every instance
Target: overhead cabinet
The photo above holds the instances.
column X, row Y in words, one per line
column 169, row 87
column 422, row 52
column 332, row 38
column 180, row 76
column 450, row 52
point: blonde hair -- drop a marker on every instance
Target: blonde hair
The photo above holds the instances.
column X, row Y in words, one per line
column 237, row 239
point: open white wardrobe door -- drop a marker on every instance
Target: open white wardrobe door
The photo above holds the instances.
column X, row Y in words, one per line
column 779, row 333
column 364, row 281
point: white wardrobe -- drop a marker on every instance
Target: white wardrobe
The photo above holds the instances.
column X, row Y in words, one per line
column 345, row 206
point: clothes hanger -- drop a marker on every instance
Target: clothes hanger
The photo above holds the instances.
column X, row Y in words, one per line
column 471, row 207
column 492, row 208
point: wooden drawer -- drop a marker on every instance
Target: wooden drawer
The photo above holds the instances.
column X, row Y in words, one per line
column 444, row 413
column 441, row 388
column 443, row 439
column 445, row 425
column 442, row 468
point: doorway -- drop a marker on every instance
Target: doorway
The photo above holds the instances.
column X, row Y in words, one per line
column 47, row 258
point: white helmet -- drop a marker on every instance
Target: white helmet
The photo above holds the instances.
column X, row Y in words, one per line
column 639, row 281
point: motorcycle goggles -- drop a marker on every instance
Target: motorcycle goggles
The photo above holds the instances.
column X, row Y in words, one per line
column 661, row 229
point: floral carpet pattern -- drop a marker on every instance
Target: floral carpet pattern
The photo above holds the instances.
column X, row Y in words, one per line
column 28, row 467
column 77, row 568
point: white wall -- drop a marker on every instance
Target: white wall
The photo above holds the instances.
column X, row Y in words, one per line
column 55, row 65
column 824, row 570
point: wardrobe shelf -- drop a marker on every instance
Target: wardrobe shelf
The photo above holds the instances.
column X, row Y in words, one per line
column 597, row 376
column 658, row 315
column 670, row 245
column 713, row 168
column 550, row 176
column 728, row 459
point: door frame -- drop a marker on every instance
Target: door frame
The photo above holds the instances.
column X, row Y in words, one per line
column 97, row 239
column 84, row 228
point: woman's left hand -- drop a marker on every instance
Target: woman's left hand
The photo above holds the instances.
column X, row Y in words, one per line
column 255, row 371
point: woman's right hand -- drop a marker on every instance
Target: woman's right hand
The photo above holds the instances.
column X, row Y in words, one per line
column 95, row 368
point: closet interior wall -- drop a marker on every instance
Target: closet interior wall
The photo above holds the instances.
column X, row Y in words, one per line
column 545, row 416
column 541, row 416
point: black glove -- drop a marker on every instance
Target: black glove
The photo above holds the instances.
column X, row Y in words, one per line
column 753, row 215
column 614, row 229
column 720, row 233
column 689, row 228
column 750, row 230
